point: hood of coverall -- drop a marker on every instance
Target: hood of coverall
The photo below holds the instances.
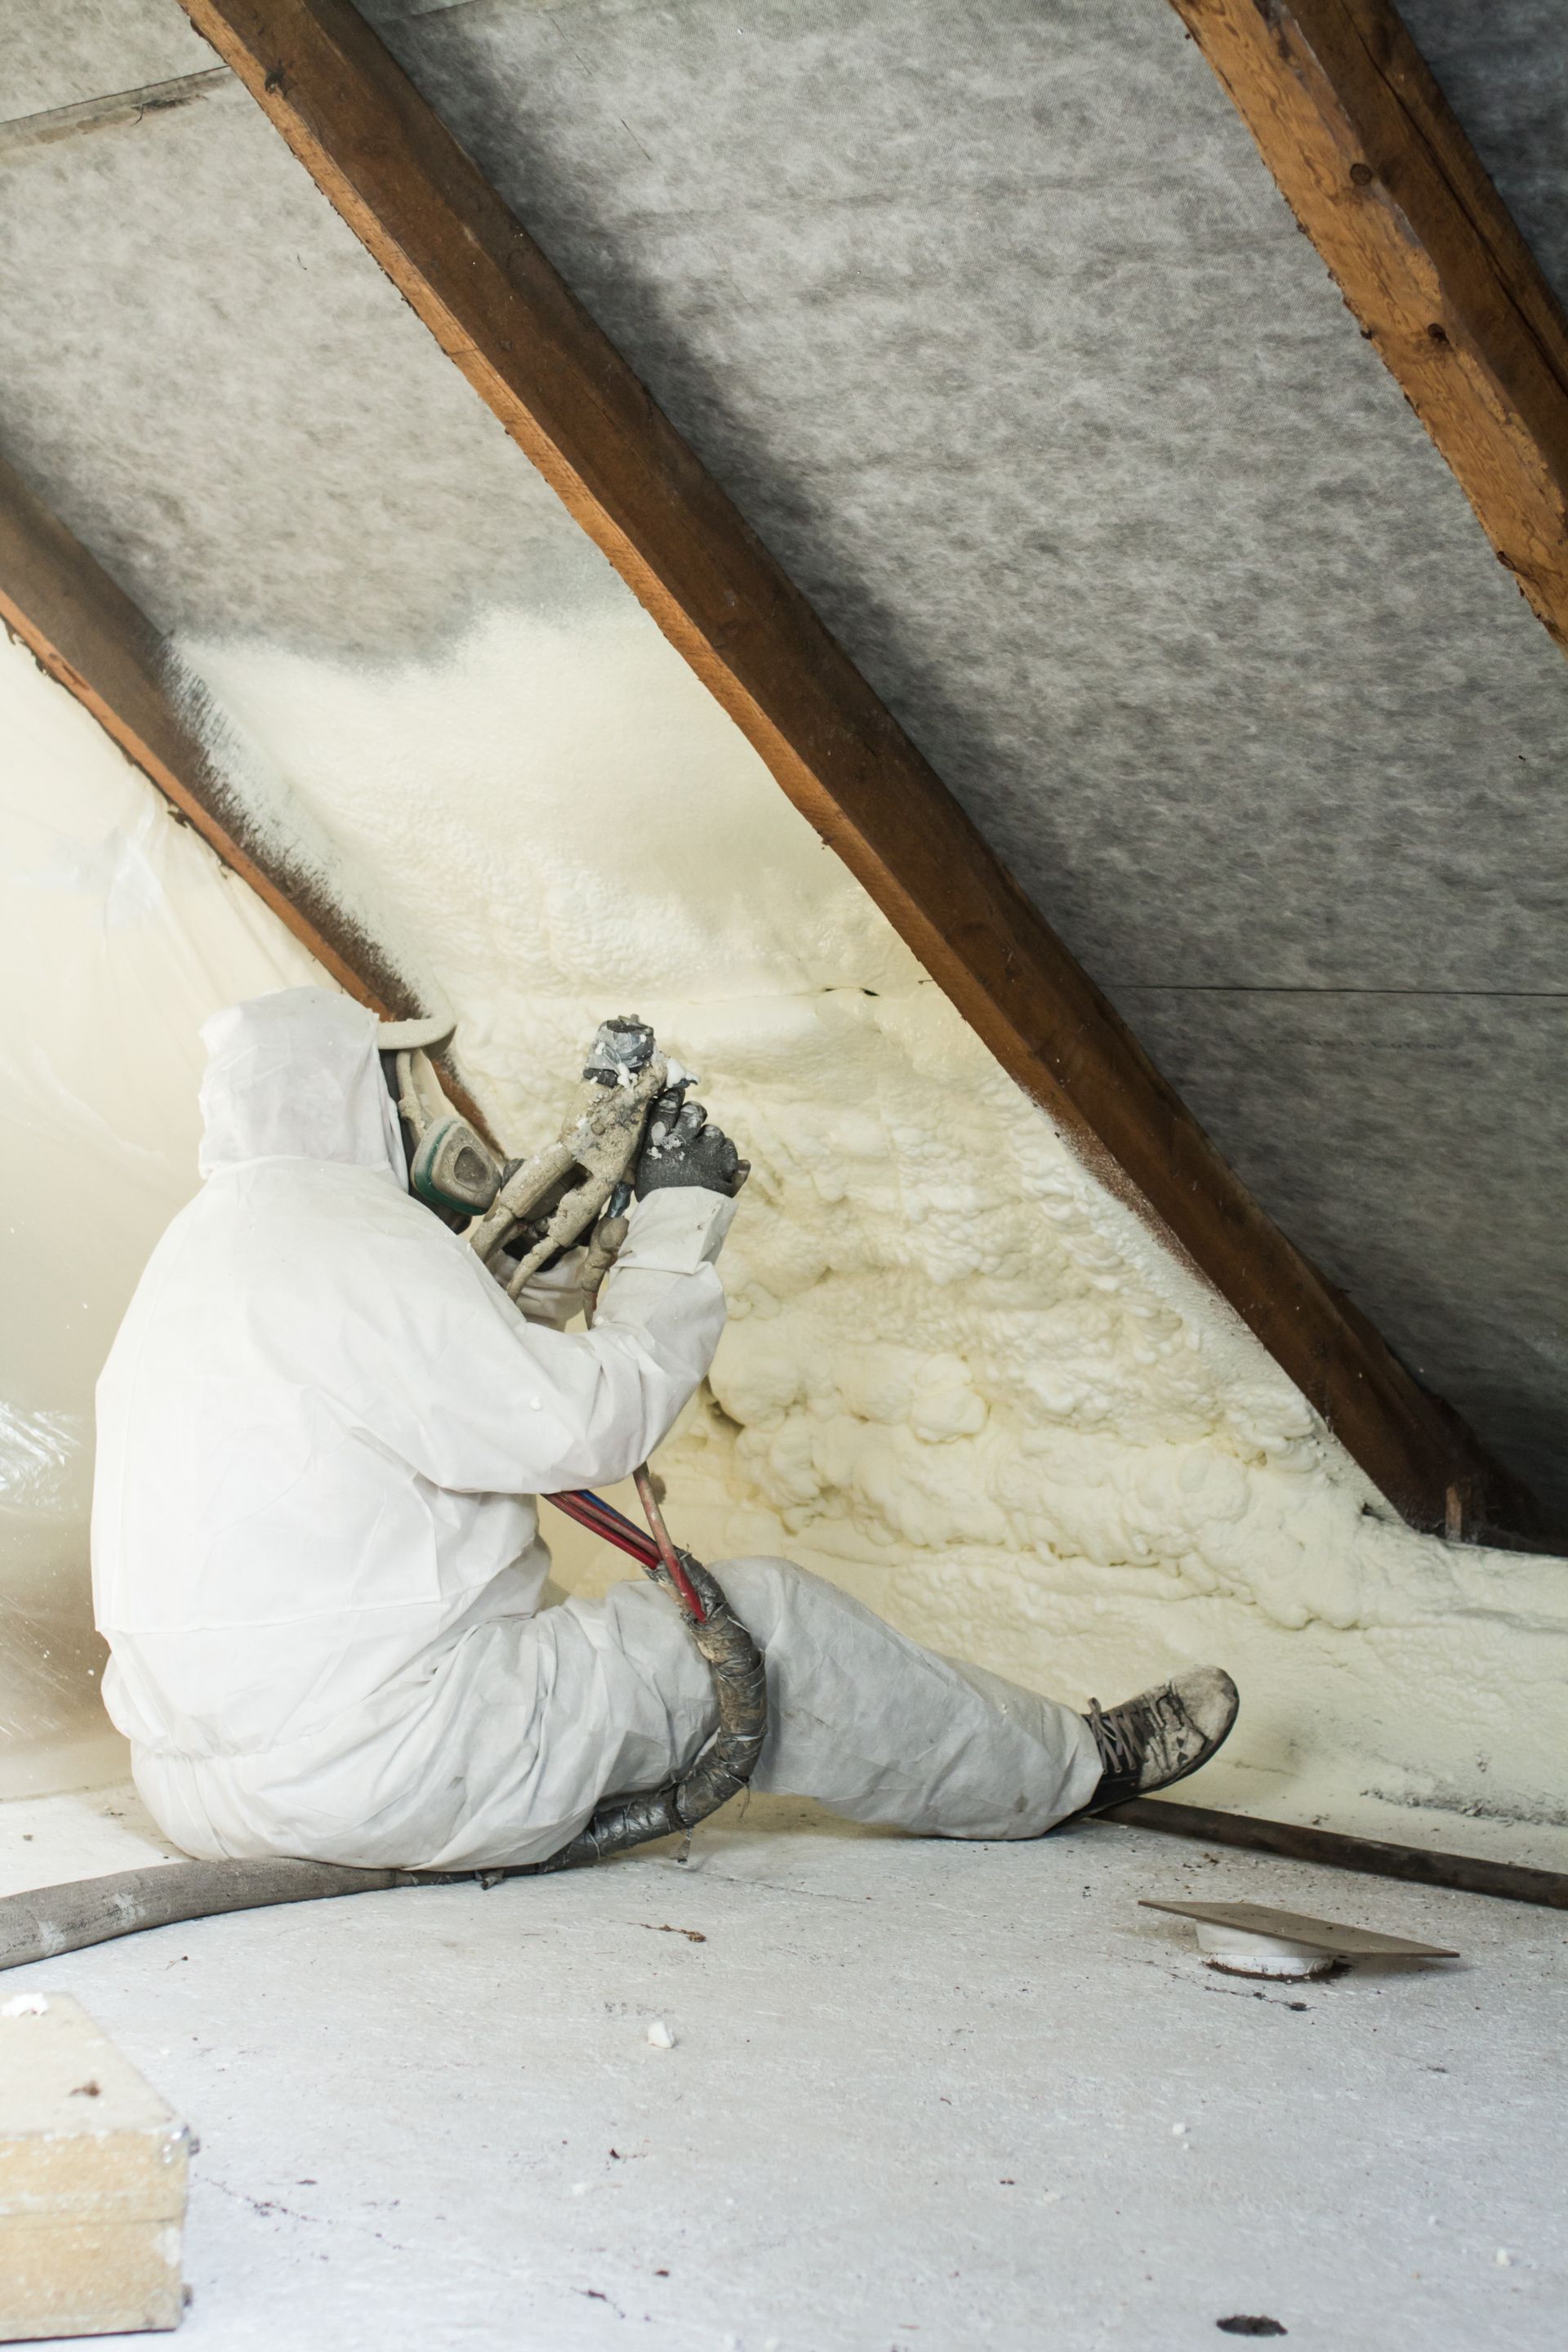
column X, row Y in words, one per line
column 297, row 1076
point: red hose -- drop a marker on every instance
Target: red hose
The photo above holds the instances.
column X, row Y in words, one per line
column 591, row 1514
column 673, row 1566
column 591, row 1511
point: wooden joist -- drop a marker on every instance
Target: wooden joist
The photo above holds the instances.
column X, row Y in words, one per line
column 83, row 628
column 1349, row 120
column 486, row 292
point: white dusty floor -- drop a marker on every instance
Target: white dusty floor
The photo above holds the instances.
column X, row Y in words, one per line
column 921, row 2097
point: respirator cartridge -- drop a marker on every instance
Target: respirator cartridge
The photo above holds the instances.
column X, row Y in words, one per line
column 450, row 1167
column 453, row 1169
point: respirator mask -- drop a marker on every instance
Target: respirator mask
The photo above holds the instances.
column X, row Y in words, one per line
column 450, row 1167
column 520, row 1215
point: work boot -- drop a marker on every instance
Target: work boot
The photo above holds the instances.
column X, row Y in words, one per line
column 1162, row 1735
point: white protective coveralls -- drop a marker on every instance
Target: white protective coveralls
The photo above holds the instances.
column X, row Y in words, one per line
column 316, row 1553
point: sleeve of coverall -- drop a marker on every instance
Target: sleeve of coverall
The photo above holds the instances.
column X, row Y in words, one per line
column 512, row 1408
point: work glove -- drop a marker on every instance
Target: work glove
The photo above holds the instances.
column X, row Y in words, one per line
column 554, row 1295
column 681, row 1147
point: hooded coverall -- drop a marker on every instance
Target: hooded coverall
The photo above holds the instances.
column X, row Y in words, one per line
column 316, row 1551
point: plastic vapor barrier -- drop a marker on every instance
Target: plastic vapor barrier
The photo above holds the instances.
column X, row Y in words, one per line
column 120, row 932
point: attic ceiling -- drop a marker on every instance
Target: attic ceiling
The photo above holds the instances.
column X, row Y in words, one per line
column 994, row 324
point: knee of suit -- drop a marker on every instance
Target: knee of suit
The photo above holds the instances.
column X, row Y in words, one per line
column 759, row 1590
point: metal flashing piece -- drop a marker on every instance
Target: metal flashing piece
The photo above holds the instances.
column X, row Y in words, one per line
column 1256, row 1939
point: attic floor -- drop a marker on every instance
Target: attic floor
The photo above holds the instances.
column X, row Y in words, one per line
column 922, row 2096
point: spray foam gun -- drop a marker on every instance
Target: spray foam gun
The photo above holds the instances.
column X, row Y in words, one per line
column 521, row 1215
column 581, row 1185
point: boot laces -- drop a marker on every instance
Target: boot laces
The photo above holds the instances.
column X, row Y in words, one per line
column 1113, row 1737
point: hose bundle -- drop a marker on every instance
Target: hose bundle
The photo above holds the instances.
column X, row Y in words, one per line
column 44, row 1921
column 724, row 1768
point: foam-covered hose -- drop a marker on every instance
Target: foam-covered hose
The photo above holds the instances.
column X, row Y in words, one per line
column 726, row 1763
column 44, row 1921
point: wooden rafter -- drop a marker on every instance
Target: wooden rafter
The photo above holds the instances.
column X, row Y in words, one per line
column 1363, row 144
column 85, row 631
column 498, row 310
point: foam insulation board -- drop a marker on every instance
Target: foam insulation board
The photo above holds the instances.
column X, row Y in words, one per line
column 66, row 53
column 238, row 466
column 92, row 2181
column 62, row 52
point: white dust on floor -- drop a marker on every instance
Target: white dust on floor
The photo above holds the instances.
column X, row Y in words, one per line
column 921, row 2097
column 958, row 1378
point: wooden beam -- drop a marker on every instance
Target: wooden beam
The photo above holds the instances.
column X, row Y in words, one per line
column 470, row 270
column 85, row 631
column 1373, row 163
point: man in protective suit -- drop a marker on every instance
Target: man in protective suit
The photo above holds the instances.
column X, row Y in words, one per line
column 317, row 1561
